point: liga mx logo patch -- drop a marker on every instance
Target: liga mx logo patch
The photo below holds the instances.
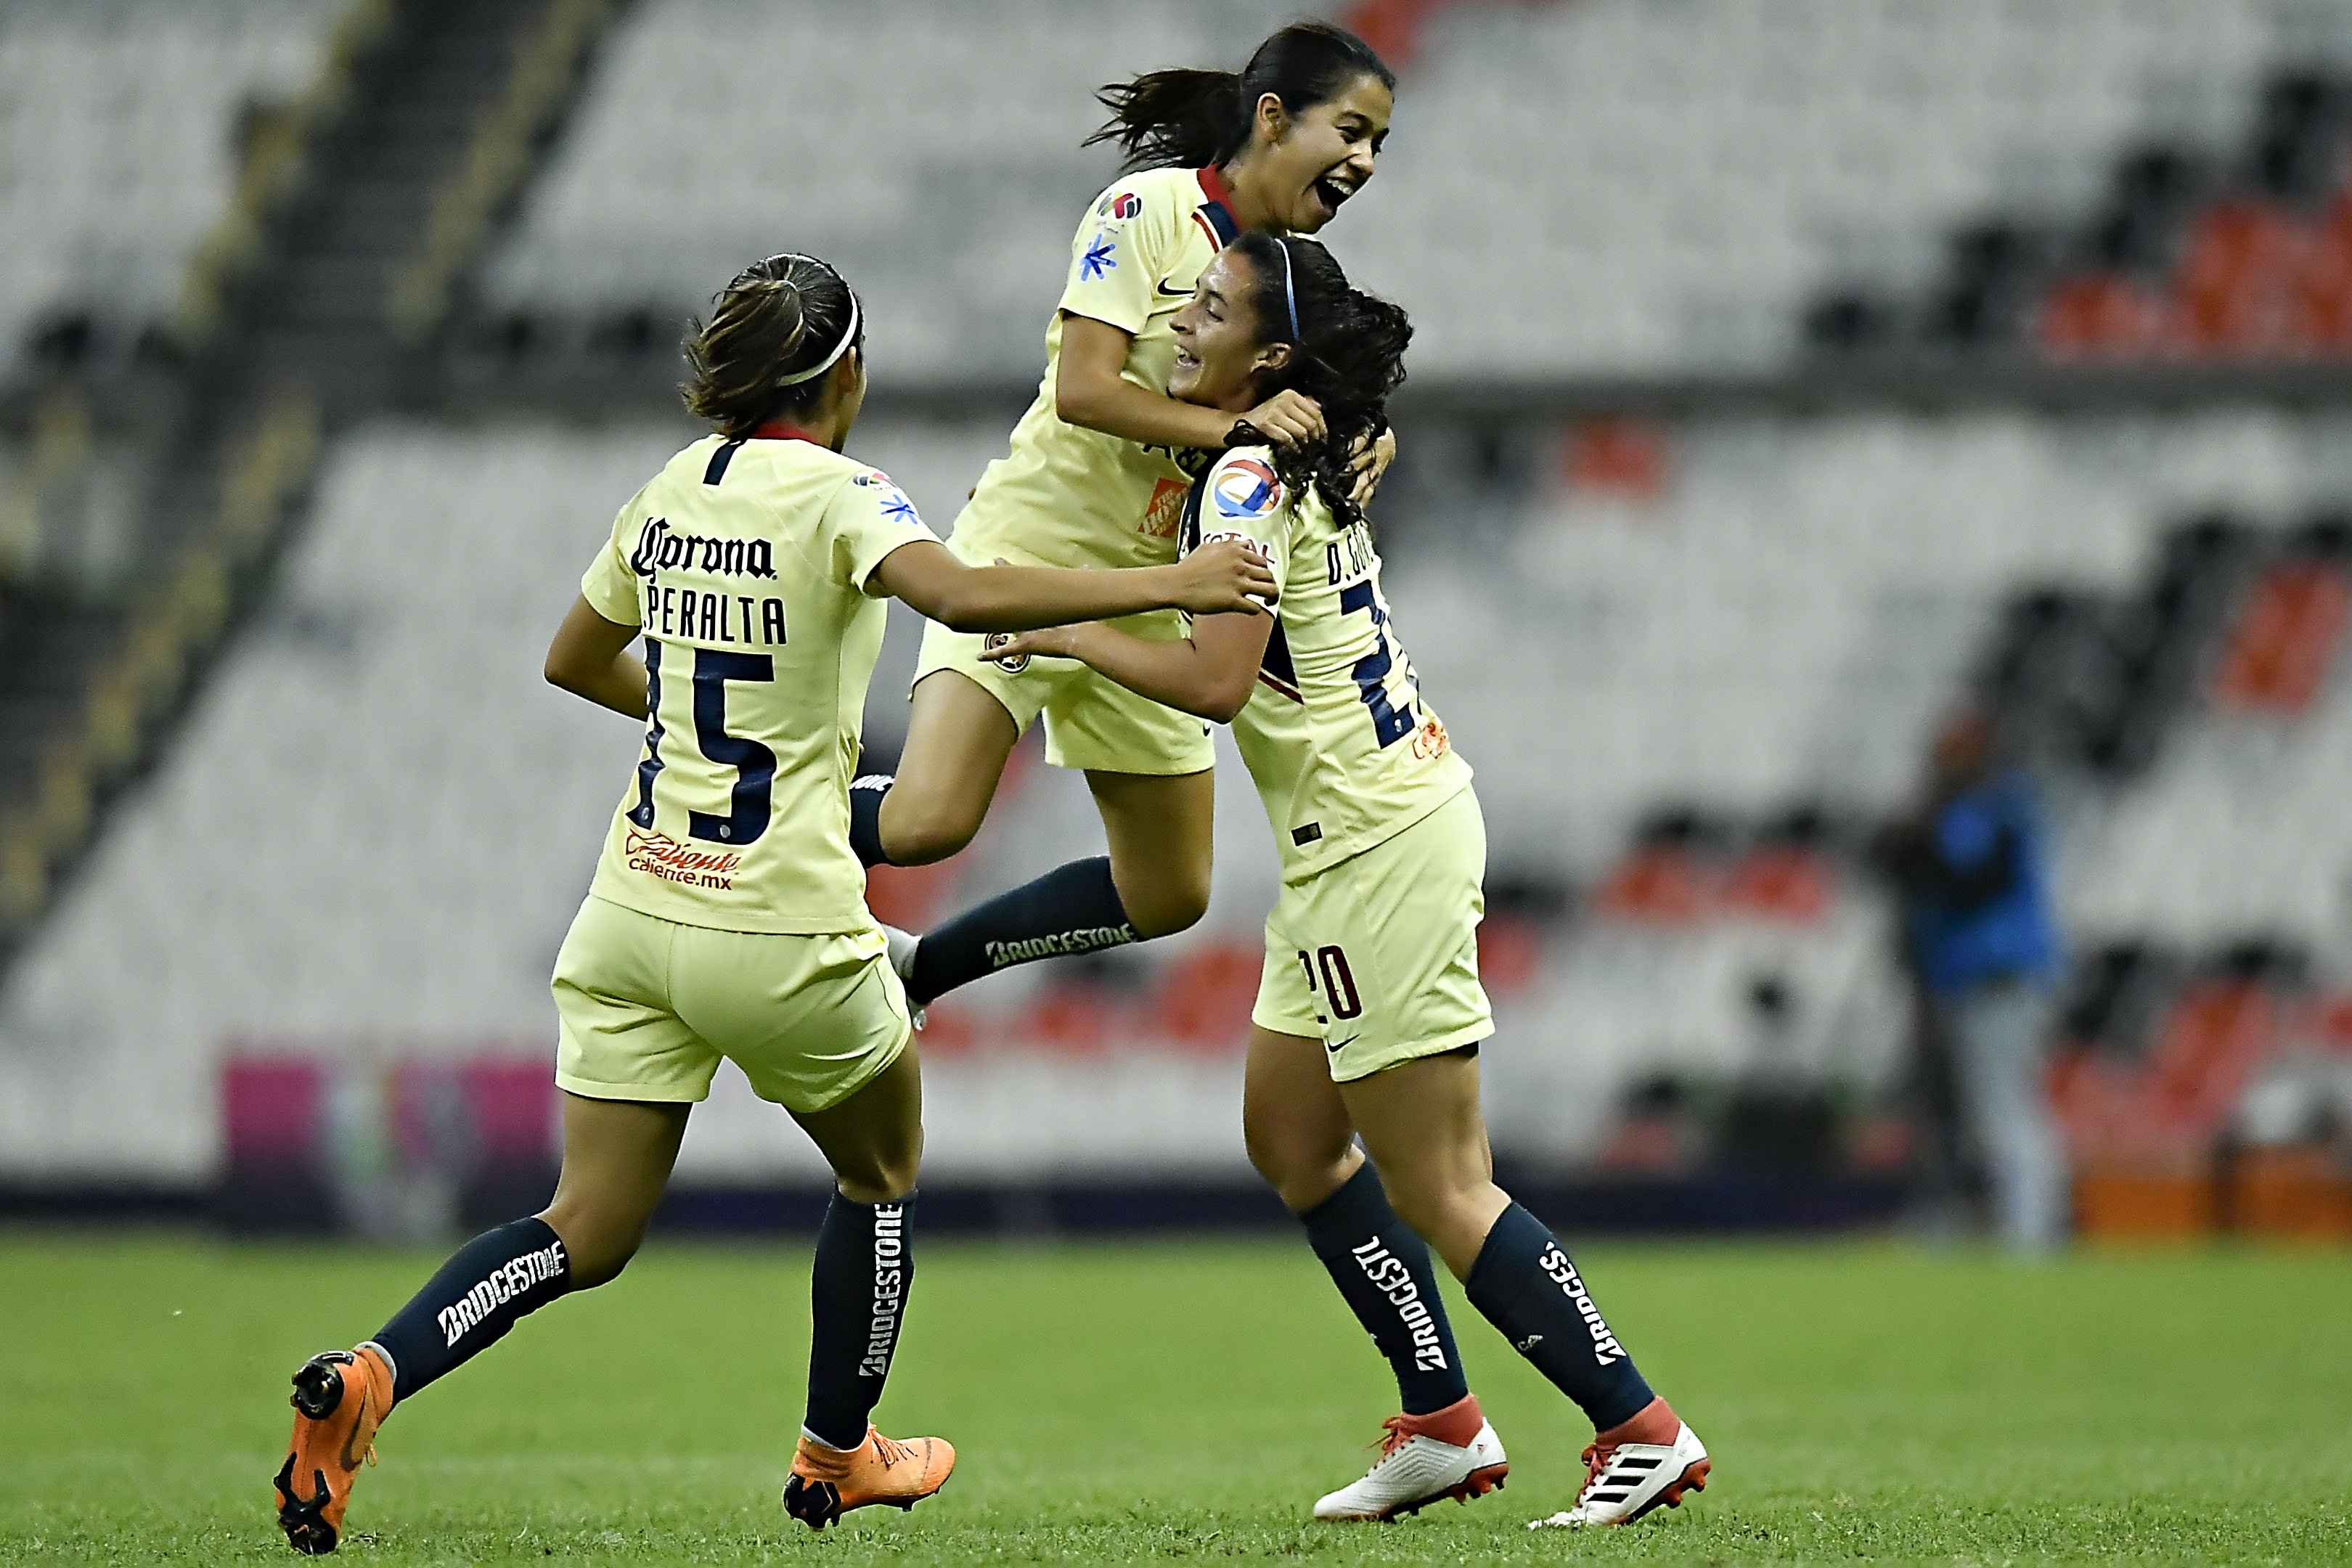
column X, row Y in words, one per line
column 893, row 500
column 1101, row 258
column 1120, row 206
column 1247, row 487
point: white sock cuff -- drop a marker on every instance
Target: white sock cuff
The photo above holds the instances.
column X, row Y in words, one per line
column 829, row 1447
column 390, row 1365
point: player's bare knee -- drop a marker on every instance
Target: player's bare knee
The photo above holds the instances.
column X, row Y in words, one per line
column 883, row 1187
column 1166, row 904
column 595, row 1250
column 601, row 1268
column 1429, row 1207
column 1303, row 1171
column 917, row 830
column 1269, row 1157
column 1451, row 1216
column 883, row 1179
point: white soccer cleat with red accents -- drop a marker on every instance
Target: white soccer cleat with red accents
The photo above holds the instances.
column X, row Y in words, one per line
column 1418, row 1467
column 1625, row 1480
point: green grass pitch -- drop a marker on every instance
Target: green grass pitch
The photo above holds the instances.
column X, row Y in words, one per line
column 1161, row 1402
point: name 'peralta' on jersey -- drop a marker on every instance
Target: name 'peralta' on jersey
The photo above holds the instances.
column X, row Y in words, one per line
column 1343, row 750
column 748, row 563
column 1068, row 496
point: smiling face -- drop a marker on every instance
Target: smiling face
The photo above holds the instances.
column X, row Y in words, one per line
column 1298, row 170
column 1218, row 356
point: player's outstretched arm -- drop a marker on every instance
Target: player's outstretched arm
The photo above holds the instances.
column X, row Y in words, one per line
column 590, row 657
column 1211, row 673
column 1220, row 578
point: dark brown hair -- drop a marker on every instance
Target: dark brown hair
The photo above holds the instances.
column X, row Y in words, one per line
column 777, row 321
column 1347, row 353
column 1185, row 119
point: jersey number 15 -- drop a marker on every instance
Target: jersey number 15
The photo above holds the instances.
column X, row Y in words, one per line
column 754, row 764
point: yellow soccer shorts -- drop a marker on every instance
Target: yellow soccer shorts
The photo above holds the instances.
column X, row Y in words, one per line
column 1091, row 721
column 647, row 1007
column 1378, row 956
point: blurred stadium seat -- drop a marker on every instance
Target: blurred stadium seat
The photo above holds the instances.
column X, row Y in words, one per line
column 1607, row 185
column 120, row 126
column 1694, row 639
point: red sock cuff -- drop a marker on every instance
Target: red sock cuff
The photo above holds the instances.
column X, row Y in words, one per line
column 1457, row 1423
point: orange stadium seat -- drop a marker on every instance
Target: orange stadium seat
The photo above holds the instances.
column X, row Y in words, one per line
column 2285, row 639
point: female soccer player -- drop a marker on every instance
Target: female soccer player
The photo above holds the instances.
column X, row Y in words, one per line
column 1096, row 476
column 727, row 917
column 1369, row 1013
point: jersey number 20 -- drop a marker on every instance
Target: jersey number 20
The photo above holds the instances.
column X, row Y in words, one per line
column 754, row 764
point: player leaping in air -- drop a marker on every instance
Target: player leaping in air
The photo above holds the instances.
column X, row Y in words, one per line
column 727, row 917
column 1096, row 476
column 1369, row 1012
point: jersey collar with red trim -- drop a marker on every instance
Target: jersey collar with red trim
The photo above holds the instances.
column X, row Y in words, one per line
column 1216, row 214
column 777, row 430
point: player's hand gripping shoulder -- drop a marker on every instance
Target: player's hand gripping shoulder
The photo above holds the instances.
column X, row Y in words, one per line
column 1287, row 419
column 1001, row 598
column 1368, row 461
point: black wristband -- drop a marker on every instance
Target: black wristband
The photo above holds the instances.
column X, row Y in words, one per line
column 1244, row 434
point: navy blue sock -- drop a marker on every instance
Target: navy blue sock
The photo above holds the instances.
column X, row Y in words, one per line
column 1383, row 1270
column 1071, row 908
column 866, row 793
column 486, row 1286
column 857, row 1298
column 1525, row 1285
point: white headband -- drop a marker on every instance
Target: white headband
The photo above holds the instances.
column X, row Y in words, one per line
column 1289, row 290
column 848, row 333
column 848, row 336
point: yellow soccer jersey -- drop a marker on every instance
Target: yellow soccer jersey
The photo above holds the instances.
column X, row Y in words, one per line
column 1343, row 750
column 1068, row 496
column 747, row 562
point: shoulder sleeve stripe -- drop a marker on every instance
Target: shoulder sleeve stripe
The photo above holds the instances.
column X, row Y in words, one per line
column 718, row 461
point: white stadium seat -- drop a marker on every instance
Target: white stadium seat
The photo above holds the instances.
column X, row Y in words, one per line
column 118, row 125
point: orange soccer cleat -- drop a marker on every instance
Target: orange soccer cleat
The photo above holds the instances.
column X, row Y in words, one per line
column 340, row 1399
column 827, row 1483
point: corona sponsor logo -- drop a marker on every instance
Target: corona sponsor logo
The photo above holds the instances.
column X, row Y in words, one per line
column 662, row 548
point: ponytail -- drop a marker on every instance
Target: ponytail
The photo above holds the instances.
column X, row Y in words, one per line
column 773, row 332
column 1178, row 119
column 1189, row 119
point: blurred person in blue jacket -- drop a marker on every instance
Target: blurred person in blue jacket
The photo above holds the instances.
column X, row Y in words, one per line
column 1972, row 871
